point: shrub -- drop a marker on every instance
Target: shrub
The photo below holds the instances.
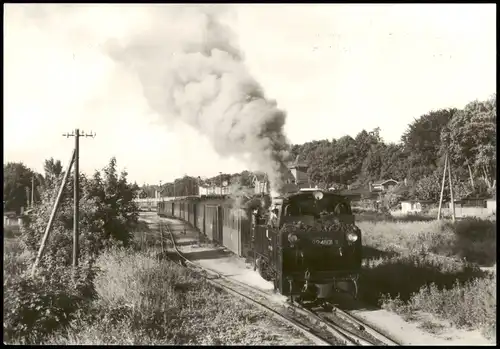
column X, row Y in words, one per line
column 36, row 307
column 108, row 215
column 471, row 305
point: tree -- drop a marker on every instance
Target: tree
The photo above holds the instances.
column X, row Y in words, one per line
column 53, row 169
column 429, row 188
column 422, row 141
column 470, row 140
column 371, row 169
column 346, row 164
column 365, row 142
column 108, row 215
column 394, row 163
column 16, row 183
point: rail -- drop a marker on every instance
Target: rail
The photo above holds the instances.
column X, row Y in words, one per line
column 321, row 328
column 308, row 331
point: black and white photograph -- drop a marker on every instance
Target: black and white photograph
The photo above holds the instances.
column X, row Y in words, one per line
column 249, row 174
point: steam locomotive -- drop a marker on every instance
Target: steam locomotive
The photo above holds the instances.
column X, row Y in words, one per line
column 288, row 239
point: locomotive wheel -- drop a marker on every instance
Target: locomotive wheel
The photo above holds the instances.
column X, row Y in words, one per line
column 354, row 289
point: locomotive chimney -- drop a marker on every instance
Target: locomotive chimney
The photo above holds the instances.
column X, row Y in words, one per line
column 370, row 186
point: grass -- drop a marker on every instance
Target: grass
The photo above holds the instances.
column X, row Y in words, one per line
column 432, row 267
column 137, row 299
column 371, row 215
column 471, row 239
column 469, row 305
column 144, row 301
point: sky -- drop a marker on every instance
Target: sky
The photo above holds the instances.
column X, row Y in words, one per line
column 334, row 69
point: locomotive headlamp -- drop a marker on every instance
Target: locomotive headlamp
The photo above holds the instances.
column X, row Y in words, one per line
column 351, row 237
column 292, row 238
column 318, row 195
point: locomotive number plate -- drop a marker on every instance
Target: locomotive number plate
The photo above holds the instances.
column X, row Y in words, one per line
column 322, row 242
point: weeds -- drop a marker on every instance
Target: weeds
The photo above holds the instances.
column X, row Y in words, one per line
column 144, row 301
column 364, row 215
column 470, row 305
column 129, row 297
column 415, row 282
column 472, row 239
column 403, row 275
column 36, row 307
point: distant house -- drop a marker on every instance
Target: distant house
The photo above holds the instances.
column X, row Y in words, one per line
column 473, row 207
column 296, row 178
column 10, row 218
column 491, row 205
column 415, row 206
column 472, row 202
column 383, row 185
column 298, row 171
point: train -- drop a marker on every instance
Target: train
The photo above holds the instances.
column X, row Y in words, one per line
column 305, row 242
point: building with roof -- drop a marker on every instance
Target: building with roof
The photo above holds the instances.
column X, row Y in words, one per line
column 383, row 185
column 295, row 178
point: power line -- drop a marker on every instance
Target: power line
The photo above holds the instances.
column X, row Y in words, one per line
column 76, row 188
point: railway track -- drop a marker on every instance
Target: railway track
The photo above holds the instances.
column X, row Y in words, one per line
column 335, row 327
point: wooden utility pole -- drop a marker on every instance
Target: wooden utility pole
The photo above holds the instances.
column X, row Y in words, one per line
column 53, row 214
column 76, row 190
column 220, row 180
column 447, row 166
column 32, row 191
column 442, row 187
column 27, row 198
column 452, row 200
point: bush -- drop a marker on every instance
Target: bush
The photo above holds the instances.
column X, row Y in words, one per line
column 108, row 216
column 471, row 305
column 475, row 240
column 35, row 308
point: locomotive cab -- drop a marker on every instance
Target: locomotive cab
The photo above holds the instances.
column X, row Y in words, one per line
column 307, row 243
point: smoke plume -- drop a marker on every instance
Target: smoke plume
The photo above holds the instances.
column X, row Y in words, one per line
column 191, row 70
